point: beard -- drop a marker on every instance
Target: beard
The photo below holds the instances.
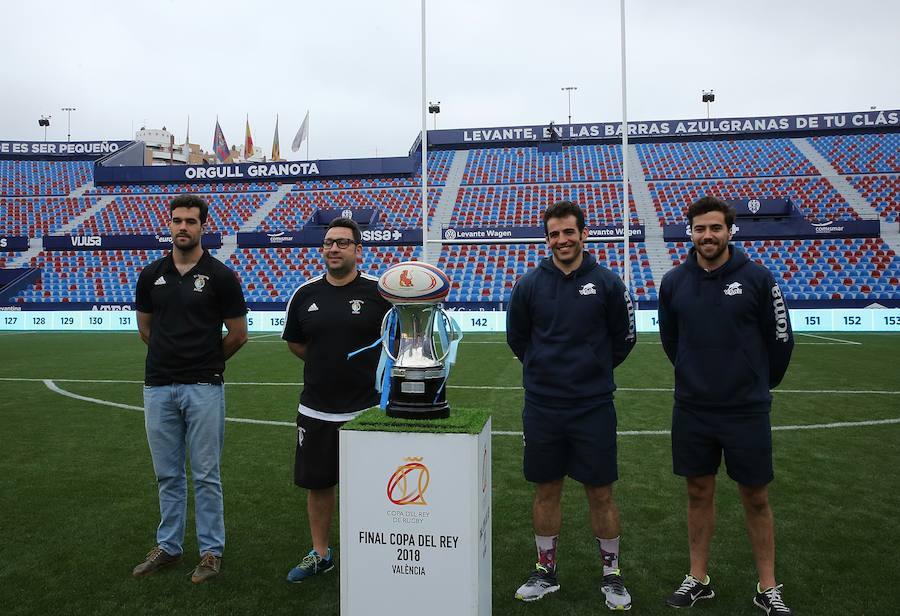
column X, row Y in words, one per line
column 341, row 270
column 719, row 248
column 188, row 246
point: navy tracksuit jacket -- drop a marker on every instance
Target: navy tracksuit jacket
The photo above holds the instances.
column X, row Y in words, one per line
column 570, row 330
column 727, row 332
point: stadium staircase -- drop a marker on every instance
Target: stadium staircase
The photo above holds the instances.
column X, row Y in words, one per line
column 81, row 191
column 657, row 253
column 889, row 231
column 443, row 212
column 229, row 242
column 36, row 245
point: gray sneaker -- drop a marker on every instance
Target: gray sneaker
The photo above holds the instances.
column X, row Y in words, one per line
column 542, row 581
column 613, row 589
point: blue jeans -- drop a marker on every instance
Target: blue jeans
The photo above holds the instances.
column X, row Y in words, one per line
column 182, row 418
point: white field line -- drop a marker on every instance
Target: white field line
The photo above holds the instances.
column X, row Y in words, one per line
column 257, row 338
column 56, row 389
column 838, row 340
column 855, row 392
column 843, row 424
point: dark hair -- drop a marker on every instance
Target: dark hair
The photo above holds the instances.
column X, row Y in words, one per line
column 707, row 204
column 347, row 223
column 190, row 201
column 561, row 209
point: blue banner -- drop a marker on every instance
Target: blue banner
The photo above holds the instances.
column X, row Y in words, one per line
column 13, row 243
column 121, row 242
column 665, row 128
column 251, row 172
column 361, row 215
column 313, row 238
column 760, row 207
column 792, row 228
column 487, row 234
column 59, row 149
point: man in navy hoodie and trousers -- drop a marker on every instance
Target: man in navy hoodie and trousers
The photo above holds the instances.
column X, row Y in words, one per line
column 570, row 322
column 725, row 327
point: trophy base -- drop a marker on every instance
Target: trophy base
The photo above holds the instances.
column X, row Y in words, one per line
column 417, row 394
column 421, row 411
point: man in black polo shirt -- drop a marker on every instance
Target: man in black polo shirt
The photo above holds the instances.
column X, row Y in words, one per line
column 182, row 301
column 329, row 317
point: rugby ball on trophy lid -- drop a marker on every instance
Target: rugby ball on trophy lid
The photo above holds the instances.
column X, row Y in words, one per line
column 414, row 281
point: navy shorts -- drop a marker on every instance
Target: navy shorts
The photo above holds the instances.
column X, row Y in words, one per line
column 578, row 441
column 316, row 457
column 699, row 438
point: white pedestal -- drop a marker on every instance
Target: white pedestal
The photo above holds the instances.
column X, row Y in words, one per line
column 415, row 523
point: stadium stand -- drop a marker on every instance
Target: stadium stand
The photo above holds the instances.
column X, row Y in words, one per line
column 814, row 197
column 822, row 269
column 524, row 204
column 273, row 274
column 143, row 214
column 31, row 178
column 438, row 164
column 87, row 276
column 751, row 158
column 501, row 186
column 37, row 216
column 882, row 192
column 399, row 207
column 526, row 165
column 867, row 153
column 487, row 273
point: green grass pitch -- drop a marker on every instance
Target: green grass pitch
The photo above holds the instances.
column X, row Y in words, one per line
column 78, row 506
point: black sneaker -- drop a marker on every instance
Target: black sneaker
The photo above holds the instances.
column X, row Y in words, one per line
column 771, row 601
column 690, row 591
column 542, row 581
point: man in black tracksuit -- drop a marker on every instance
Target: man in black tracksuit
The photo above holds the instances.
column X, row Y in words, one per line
column 725, row 327
column 570, row 322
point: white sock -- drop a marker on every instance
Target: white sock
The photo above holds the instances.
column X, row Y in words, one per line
column 609, row 553
column 546, row 548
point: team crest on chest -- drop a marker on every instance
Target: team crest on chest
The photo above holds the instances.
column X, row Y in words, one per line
column 588, row 289
column 733, row 288
column 356, row 305
column 200, row 282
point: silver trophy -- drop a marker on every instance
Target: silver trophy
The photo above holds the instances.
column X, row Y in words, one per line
column 418, row 336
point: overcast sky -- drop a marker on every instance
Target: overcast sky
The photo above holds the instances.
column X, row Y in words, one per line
column 355, row 65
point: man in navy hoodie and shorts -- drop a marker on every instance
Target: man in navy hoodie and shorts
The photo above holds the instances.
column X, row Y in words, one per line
column 725, row 327
column 570, row 321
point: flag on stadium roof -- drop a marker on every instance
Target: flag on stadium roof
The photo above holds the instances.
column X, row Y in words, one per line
column 248, row 141
column 302, row 134
column 276, row 150
column 220, row 146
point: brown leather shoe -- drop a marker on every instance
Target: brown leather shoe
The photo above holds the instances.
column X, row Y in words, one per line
column 207, row 569
column 157, row 559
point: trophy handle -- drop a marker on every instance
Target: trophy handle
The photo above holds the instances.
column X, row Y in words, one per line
column 443, row 314
column 384, row 339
